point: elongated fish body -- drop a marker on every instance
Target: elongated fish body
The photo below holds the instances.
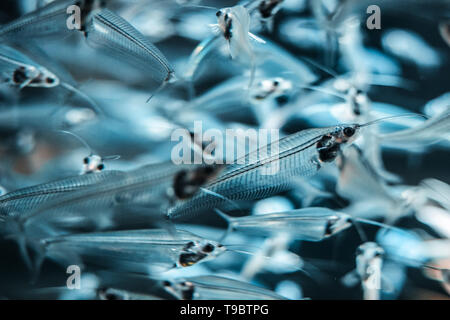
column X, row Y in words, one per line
column 312, row 224
column 264, row 11
column 120, row 294
column 204, row 49
column 135, row 250
column 369, row 262
column 234, row 23
column 112, row 34
column 30, row 198
column 218, row 288
column 17, row 69
column 431, row 131
column 266, row 171
column 49, row 20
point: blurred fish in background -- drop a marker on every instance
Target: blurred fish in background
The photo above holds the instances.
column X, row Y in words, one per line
column 288, row 149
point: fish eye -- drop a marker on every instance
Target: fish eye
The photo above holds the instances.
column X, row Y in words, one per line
column 166, row 283
column 86, row 160
column 218, row 13
column 101, row 166
column 349, row 131
column 208, row 248
column 276, row 83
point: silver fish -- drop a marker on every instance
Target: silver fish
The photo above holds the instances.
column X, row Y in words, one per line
column 29, row 67
column 421, row 136
column 30, row 198
column 369, row 262
column 312, row 224
column 108, row 31
column 217, row 288
column 134, row 250
column 48, row 21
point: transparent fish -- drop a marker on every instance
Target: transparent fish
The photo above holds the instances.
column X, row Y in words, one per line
column 367, row 191
column 411, row 47
column 423, row 135
column 312, row 224
column 120, row 294
column 217, row 288
column 49, row 20
column 25, row 71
